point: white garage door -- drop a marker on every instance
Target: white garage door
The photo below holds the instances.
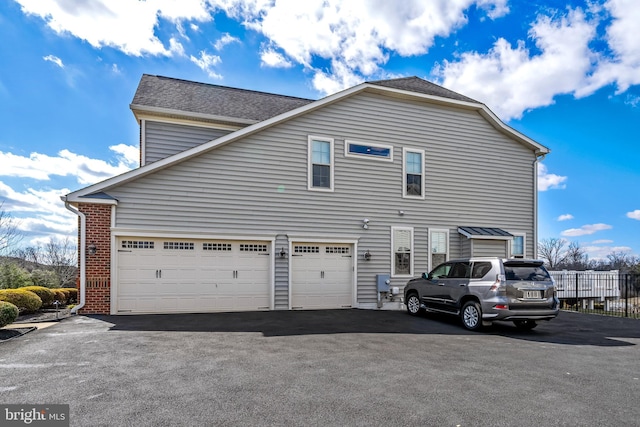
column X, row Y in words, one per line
column 182, row 275
column 321, row 276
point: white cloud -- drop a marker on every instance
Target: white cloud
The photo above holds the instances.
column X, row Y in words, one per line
column 127, row 26
column 175, row 47
column 632, row 100
column 601, row 252
column 585, row 230
column 39, row 211
column 602, row 242
column 273, row 59
column 634, row 214
column 207, row 62
column 355, row 36
column 623, row 68
column 511, row 80
column 54, row 59
column 565, row 217
column 549, row 181
column 86, row 170
column 225, row 40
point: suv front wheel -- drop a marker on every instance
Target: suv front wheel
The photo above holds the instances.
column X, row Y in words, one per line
column 471, row 316
column 413, row 304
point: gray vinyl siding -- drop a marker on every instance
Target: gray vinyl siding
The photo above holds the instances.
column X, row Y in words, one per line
column 465, row 247
column 166, row 139
column 475, row 175
column 281, row 292
column 489, row 248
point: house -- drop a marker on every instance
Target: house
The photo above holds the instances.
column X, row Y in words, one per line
column 255, row 201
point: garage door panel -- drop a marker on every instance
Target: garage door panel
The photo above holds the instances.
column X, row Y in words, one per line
column 184, row 275
column 321, row 276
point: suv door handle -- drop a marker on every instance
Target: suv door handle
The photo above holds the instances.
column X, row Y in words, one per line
column 440, row 284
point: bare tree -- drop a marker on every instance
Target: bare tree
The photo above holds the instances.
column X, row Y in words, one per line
column 58, row 257
column 9, row 233
column 575, row 258
column 61, row 256
column 552, row 251
column 622, row 261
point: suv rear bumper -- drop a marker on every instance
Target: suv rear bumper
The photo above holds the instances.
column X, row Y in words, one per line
column 542, row 313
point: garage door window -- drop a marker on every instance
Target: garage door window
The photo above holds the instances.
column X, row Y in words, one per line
column 221, row 247
column 180, row 246
column 306, row 249
column 253, row 248
column 137, row 244
column 337, row 250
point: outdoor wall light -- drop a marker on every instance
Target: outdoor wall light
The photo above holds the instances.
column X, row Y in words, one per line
column 365, row 223
column 282, row 253
column 367, row 256
column 92, row 249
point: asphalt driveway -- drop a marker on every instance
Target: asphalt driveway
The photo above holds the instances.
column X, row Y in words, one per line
column 342, row 367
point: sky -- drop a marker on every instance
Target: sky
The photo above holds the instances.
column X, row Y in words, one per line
column 564, row 73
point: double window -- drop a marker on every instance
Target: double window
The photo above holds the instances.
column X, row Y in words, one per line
column 320, row 168
column 413, row 173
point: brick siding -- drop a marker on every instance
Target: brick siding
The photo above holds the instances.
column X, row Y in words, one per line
column 98, row 266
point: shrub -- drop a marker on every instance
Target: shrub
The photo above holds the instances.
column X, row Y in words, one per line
column 12, row 276
column 46, row 295
column 8, row 313
column 72, row 294
column 26, row 301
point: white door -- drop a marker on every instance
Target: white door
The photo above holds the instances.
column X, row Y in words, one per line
column 321, row 275
column 183, row 275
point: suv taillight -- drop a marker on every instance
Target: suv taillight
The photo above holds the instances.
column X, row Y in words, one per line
column 500, row 284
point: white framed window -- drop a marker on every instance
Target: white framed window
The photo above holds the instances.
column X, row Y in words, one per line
column 365, row 150
column 402, row 252
column 438, row 247
column 413, row 173
column 320, row 169
column 517, row 246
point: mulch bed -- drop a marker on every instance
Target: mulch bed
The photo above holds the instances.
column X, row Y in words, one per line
column 7, row 334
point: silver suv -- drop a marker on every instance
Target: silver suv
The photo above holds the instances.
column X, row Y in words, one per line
column 481, row 290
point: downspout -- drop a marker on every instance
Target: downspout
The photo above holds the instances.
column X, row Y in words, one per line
column 82, row 253
column 539, row 157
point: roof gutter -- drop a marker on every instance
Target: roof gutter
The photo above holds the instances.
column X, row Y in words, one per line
column 82, row 252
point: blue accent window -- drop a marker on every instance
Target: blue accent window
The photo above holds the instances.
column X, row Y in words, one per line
column 368, row 150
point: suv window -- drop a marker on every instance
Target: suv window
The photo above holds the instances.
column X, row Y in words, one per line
column 460, row 270
column 441, row 271
column 480, row 269
column 526, row 272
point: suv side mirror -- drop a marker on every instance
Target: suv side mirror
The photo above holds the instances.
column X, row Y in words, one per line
column 425, row 276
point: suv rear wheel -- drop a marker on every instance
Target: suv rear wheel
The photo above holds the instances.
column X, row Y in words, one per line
column 471, row 316
column 413, row 304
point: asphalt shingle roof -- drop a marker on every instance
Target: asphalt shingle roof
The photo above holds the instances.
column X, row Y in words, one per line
column 416, row 84
column 204, row 98
column 223, row 101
